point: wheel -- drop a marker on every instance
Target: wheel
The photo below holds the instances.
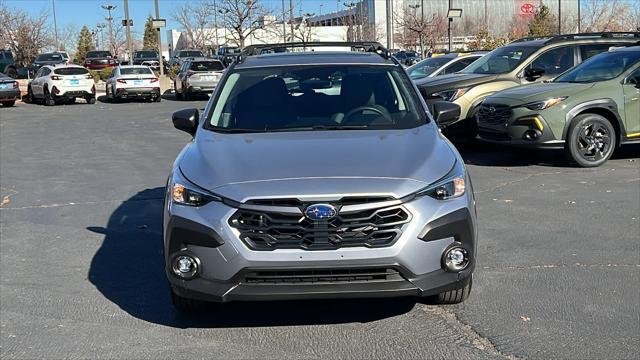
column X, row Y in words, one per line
column 158, row 99
column 186, row 95
column 9, row 103
column 453, row 296
column 109, row 96
column 91, row 100
column 186, row 305
column 48, row 98
column 29, row 97
column 178, row 95
column 590, row 141
column 71, row 100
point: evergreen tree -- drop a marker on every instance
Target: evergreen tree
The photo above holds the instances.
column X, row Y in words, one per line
column 150, row 41
column 543, row 23
column 85, row 44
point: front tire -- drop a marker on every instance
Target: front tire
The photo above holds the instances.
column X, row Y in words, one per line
column 29, row 97
column 453, row 296
column 91, row 99
column 590, row 141
column 186, row 305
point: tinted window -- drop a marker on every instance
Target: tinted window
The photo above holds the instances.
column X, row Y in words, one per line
column 587, row 51
column 605, row 66
column 145, row 54
column 49, row 57
column 304, row 98
column 206, row 66
column 71, row 71
column 98, row 54
column 8, row 55
column 555, row 61
column 634, row 78
column 428, row 66
column 136, row 71
column 459, row 65
column 501, row 60
column 191, row 54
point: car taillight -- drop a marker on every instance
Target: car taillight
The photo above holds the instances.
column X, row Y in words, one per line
column 154, row 80
column 88, row 77
column 54, row 77
column 122, row 81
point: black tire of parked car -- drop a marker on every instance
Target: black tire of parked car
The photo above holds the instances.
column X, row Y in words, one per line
column 9, row 103
column 90, row 99
column 178, row 94
column 71, row 100
column 186, row 95
column 589, row 133
column 29, row 97
column 48, row 98
column 158, row 99
column 453, row 296
column 186, row 305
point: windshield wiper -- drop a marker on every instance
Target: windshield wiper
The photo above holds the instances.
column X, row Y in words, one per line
column 323, row 127
column 233, row 130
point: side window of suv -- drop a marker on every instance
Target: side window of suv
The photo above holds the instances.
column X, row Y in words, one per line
column 459, row 65
column 587, row 51
column 634, row 78
column 554, row 61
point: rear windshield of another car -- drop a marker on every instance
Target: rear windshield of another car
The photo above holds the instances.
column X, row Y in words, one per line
column 206, row 66
column 428, row 66
column 71, row 71
column 49, row 57
column 191, row 54
column 136, row 71
column 98, row 54
column 146, row 54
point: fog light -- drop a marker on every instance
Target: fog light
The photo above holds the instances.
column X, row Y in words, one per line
column 456, row 259
column 184, row 266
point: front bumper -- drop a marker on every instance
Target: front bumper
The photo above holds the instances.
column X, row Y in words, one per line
column 530, row 131
column 225, row 261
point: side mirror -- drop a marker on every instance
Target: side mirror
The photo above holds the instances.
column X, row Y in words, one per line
column 445, row 113
column 533, row 74
column 186, row 120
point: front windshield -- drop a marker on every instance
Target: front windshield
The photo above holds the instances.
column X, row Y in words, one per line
column 426, row 67
column 191, row 54
column 501, row 60
column 304, row 98
column 602, row 67
column 146, row 54
column 232, row 51
column 49, row 57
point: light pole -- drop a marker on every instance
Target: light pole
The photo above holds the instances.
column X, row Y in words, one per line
column 109, row 18
column 100, row 29
column 284, row 23
column 291, row 17
column 419, row 26
column 579, row 18
column 452, row 13
column 389, row 25
column 215, row 23
column 126, row 19
column 559, row 17
column 224, row 22
column 352, row 21
column 159, row 41
column 55, row 23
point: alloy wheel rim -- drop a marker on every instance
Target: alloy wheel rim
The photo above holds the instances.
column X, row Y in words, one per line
column 594, row 141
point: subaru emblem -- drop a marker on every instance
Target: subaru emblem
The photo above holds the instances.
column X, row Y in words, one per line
column 319, row 212
column 492, row 110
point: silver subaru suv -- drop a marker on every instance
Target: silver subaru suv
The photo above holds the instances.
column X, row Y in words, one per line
column 317, row 174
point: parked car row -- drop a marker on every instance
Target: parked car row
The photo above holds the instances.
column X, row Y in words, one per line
column 573, row 92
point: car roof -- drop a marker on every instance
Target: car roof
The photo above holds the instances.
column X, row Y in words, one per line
column 63, row 66
column 315, row 58
column 133, row 66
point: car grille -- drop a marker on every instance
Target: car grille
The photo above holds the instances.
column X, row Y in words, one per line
column 494, row 114
column 270, row 230
column 322, row 276
column 491, row 135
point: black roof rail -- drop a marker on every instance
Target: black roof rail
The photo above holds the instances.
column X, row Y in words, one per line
column 364, row 46
column 607, row 35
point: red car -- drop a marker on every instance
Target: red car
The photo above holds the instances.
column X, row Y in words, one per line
column 99, row 59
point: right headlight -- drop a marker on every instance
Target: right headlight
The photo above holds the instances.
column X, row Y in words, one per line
column 452, row 185
column 452, row 94
column 185, row 193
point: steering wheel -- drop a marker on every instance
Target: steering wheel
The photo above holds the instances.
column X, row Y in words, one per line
column 385, row 114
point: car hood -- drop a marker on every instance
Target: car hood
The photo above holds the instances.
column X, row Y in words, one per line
column 537, row 92
column 323, row 163
column 452, row 81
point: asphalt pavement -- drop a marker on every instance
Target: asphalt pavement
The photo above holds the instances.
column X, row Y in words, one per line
column 81, row 270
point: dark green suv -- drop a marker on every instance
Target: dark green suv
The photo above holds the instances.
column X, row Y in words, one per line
column 7, row 64
column 588, row 111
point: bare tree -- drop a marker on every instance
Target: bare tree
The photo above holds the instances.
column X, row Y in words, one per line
column 25, row 35
column 196, row 21
column 421, row 31
column 243, row 18
column 68, row 37
column 608, row 15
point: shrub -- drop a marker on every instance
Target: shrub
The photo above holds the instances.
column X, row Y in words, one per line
column 172, row 71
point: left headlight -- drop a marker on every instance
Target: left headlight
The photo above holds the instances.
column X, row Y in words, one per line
column 545, row 104
column 452, row 94
column 185, row 193
column 450, row 186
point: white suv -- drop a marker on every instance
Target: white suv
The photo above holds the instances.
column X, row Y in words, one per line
column 61, row 84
